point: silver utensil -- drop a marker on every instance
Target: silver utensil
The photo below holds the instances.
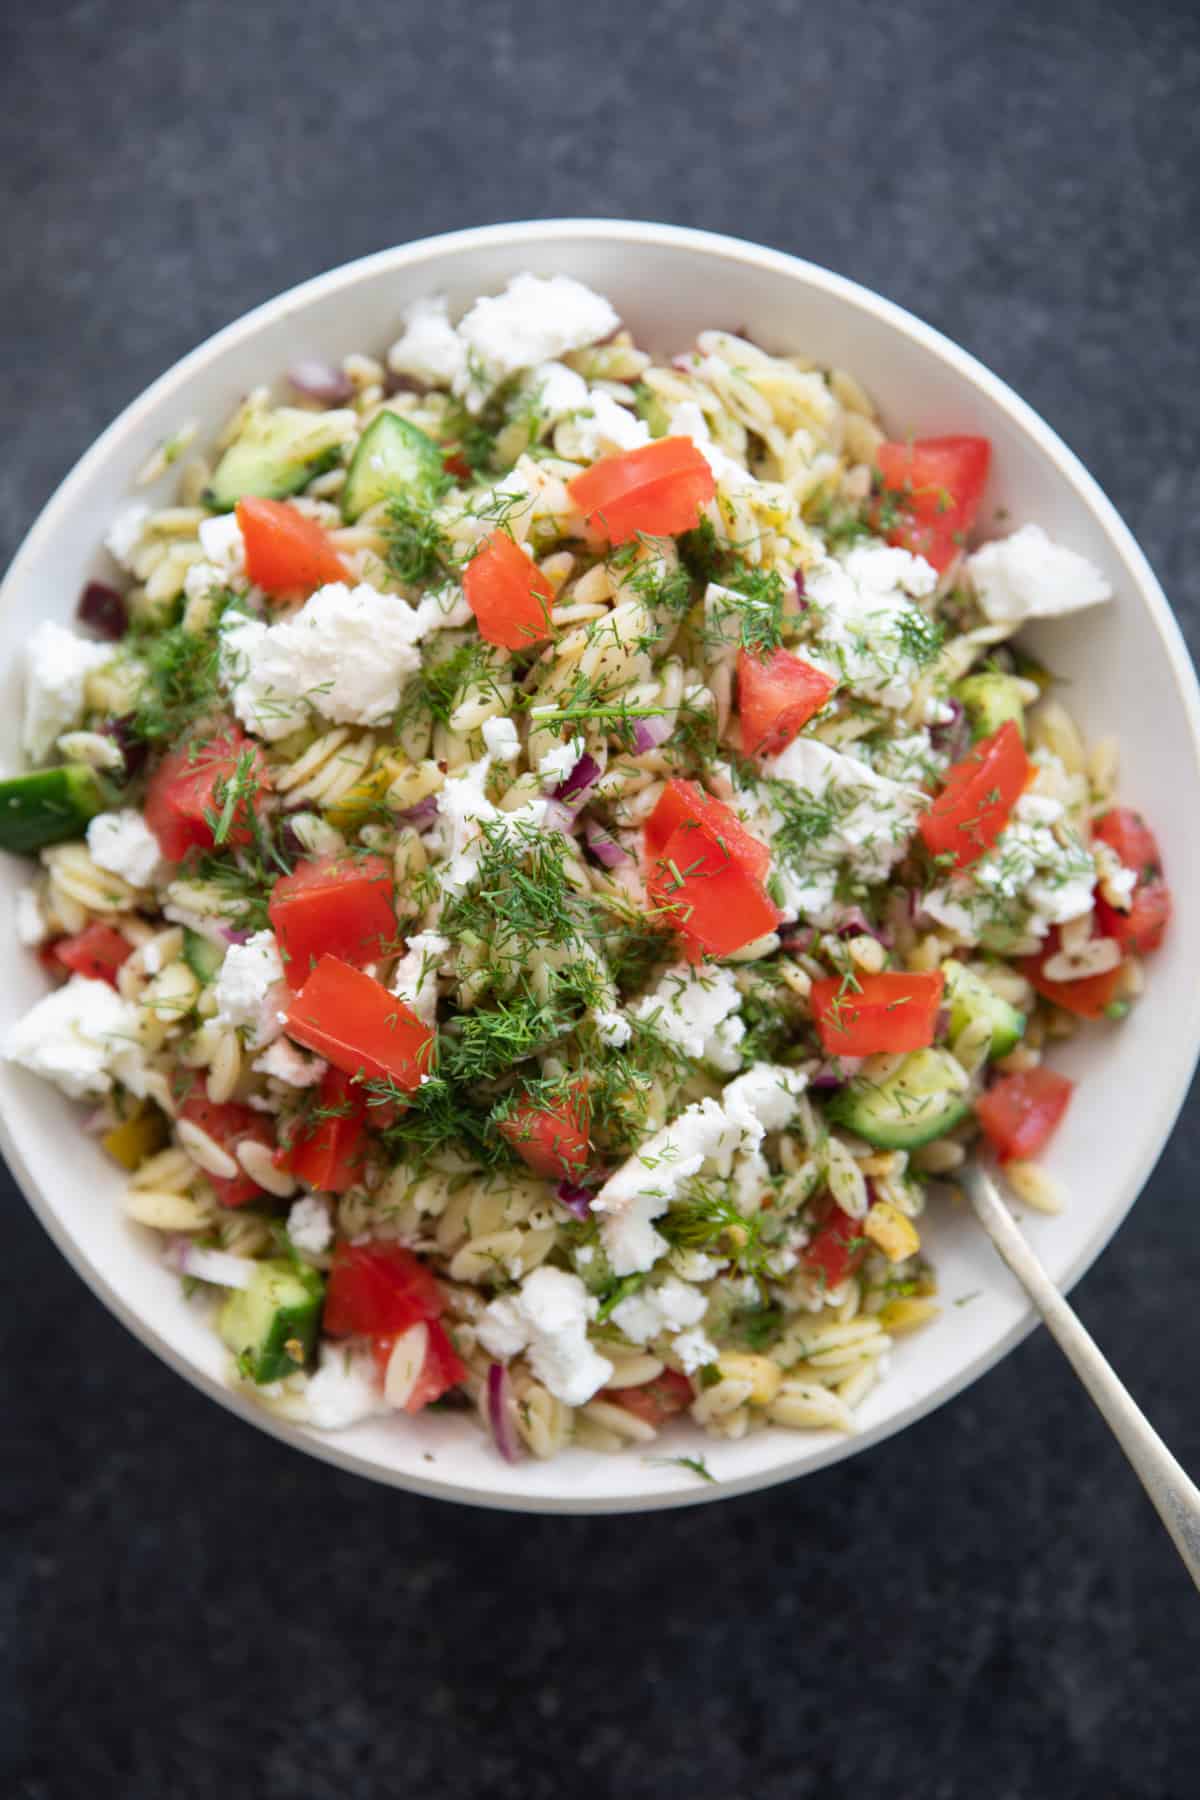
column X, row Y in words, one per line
column 1174, row 1495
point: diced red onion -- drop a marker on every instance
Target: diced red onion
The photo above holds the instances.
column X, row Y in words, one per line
column 134, row 750
column 648, row 734
column 234, row 936
column 801, row 593
column 559, row 817
column 951, row 736
column 103, row 611
column 798, row 943
column 501, row 1409
column 584, row 775
column 421, row 815
column 604, row 846
column 835, row 1073
column 215, row 1266
column 577, row 1200
column 319, row 380
column 942, row 1023
column 854, row 922
column 403, row 384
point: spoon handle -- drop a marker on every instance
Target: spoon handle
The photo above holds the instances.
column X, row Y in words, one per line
column 1174, row 1495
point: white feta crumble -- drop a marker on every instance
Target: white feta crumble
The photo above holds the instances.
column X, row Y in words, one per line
column 557, row 764
column 1115, row 882
column 1028, row 881
column 124, row 534
column 445, row 609
column 74, row 1036
column 696, row 1265
column 124, row 844
column 535, row 320
column 429, row 349
column 284, row 1062
column 672, row 1306
column 344, row 1389
column 612, row 1027
column 868, row 822
column 200, row 579
column 346, row 655
column 250, row 989
column 687, row 420
column 501, row 739
column 463, row 806
column 1026, row 576
column 548, row 1319
column 58, row 665
column 415, row 980
column 694, row 1349
column 694, row 1008
column 223, row 544
column 309, row 1225
column 28, row 921
column 871, row 634
column 559, row 390
column 601, row 425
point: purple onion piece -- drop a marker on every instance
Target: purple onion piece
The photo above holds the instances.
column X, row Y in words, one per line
column 233, row 935
column 576, row 1199
column 950, row 737
column 835, row 1072
column 421, row 815
column 856, row 923
column 942, row 1022
column 584, row 775
column 801, row 592
column 604, row 846
column 799, row 943
column 134, row 750
column 501, row 1410
column 321, row 381
column 103, row 611
column 403, row 384
column 559, row 817
column 648, row 734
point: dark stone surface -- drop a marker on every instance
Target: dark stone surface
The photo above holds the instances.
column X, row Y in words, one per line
column 983, row 1607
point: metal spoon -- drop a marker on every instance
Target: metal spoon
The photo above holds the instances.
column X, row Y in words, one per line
column 1174, row 1495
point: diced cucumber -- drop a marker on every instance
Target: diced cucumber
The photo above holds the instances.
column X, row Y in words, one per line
column 202, row 956
column 922, row 1099
column 990, row 699
column 969, row 997
column 276, row 454
column 271, row 1326
column 48, row 805
column 393, row 458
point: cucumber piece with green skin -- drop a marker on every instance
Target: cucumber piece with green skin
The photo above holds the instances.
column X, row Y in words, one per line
column 271, row 1326
column 49, row 805
column 394, row 458
column 969, row 998
column 202, row 956
column 277, row 454
column 991, row 699
column 920, row 1100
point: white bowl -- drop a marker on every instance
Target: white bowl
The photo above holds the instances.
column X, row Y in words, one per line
column 1130, row 676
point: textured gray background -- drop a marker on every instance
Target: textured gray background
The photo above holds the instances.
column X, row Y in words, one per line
column 985, row 1606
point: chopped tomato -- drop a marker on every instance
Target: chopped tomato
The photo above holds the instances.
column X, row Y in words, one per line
column 378, row 1289
column 777, row 696
column 353, row 1022
column 442, row 1369
column 194, row 788
column 658, row 489
column 931, row 494
column 327, row 1149
column 891, row 1012
column 286, row 553
column 552, row 1139
column 97, row 952
column 1144, row 924
column 508, row 594
column 456, row 464
column 707, row 892
column 836, row 1248
column 229, row 1124
column 683, row 803
column 977, row 797
column 655, row 1401
column 1019, row 1113
column 340, row 905
column 1088, row 998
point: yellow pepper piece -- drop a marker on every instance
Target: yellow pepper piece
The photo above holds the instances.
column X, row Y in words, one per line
column 895, row 1234
column 136, row 1138
column 906, row 1313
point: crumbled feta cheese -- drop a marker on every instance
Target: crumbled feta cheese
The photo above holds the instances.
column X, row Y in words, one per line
column 28, row 922
column 1026, row 576
column 250, row 990
column 124, row 534
column 535, row 320
column 693, row 1008
column 870, row 633
column 502, row 740
column 344, row 1389
column 601, row 425
column 73, row 1036
column 284, row 1062
column 694, row 1349
column 856, row 822
column 346, row 655
column 557, row 764
column 1115, row 882
column 1028, row 881
column 123, row 843
column 559, row 390
column 223, row 544
column 200, row 579
column 548, row 1319
column 687, row 420
column 415, row 980
column 695, row 1265
column 429, row 349
column 612, row 1027
column 671, row 1306
column 463, row 806
column 309, row 1225
column 445, row 609
column 59, row 664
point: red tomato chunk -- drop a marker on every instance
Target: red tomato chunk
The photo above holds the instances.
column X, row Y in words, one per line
column 441, row 1370
column 837, row 1248
column 1144, row 925
column 508, row 594
column 777, row 696
column 286, row 553
column 378, row 1290
column 977, row 798
column 683, row 803
column 553, row 1140
column 704, row 889
column 339, row 905
column 328, row 1150
column 1019, row 1113
column 658, row 490
column 229, row 1125
column 1088, row 998
column 353, row 1022
column 97, row 952
column 890, row 1012
column 194, row 786
column 931, row 494
column 656, row 1401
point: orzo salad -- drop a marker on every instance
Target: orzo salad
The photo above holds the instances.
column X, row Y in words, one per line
column 549, row 860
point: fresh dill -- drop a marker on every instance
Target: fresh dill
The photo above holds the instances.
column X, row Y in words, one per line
column 696, row 1465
